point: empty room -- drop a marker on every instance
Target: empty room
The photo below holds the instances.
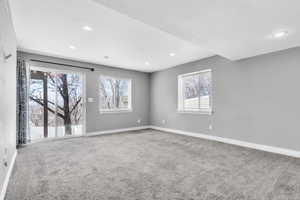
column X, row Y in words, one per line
column 149, row 100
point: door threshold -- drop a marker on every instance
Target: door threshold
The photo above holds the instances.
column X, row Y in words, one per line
column 52, row 139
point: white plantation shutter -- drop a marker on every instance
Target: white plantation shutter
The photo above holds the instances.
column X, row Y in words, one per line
column 194, row 92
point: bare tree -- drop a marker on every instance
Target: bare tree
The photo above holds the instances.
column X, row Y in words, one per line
column 192, row 86
column 111, row 93
column 104, row 94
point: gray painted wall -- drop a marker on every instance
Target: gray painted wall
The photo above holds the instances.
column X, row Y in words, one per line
column 7, row 90
column 100, row 122
column 254, row 100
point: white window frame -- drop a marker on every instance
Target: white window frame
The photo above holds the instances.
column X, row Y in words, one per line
column 119, row 110
column 58, row 70
column 180, row 101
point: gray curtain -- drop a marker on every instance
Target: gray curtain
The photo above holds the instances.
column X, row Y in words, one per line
column 22, row 109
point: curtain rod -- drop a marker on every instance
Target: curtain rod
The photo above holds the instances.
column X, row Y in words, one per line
column 55, row 63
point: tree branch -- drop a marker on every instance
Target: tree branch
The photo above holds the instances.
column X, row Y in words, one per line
column 54, row 104
column 49, row 109
column 58, row 86
column 104, row 93
column 76, row 104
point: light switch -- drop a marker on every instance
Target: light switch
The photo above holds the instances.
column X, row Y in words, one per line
column 90, row 100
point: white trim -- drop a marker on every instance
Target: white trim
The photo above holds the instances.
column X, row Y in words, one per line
column 180, row 96
column 53, row 68
column 52, row 139
column 84, row 86
column 43, row 68
column 118, row 130
column 115, row 111
column 6, row 180
column 89, row 134
column 277, row 150
column 208, row 112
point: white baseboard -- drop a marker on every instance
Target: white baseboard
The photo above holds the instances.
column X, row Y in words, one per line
column 9, row 171
column 277, row 150
column 117, row 130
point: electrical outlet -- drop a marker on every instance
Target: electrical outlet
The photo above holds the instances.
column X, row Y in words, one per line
column 163, row 121
column 210, row 127
column 90, row 100
column 139, row 121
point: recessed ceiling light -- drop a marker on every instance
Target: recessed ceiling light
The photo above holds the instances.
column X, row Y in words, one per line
column 87, row 28
column 280, row 34
column 72, row 47
column 172, row 54
column 147, row 63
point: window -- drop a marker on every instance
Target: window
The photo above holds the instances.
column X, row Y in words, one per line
column 115, row 94
column 194, row 92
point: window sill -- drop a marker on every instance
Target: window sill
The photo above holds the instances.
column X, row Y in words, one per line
column 115, row 111
column 195, row 112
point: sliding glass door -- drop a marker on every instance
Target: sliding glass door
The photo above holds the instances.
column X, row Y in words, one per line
column 56, row 104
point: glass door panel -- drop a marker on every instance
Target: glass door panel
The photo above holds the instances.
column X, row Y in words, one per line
column 55, row 104
column 36, row 109
column 70, row 104
column 75, row 103
column 51, row 105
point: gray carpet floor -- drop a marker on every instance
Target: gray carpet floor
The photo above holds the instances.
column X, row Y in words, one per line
column 150, row 164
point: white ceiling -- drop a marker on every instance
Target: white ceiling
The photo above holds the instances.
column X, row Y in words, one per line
column 234, row 29
column 138, row 31
column 51, row 26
